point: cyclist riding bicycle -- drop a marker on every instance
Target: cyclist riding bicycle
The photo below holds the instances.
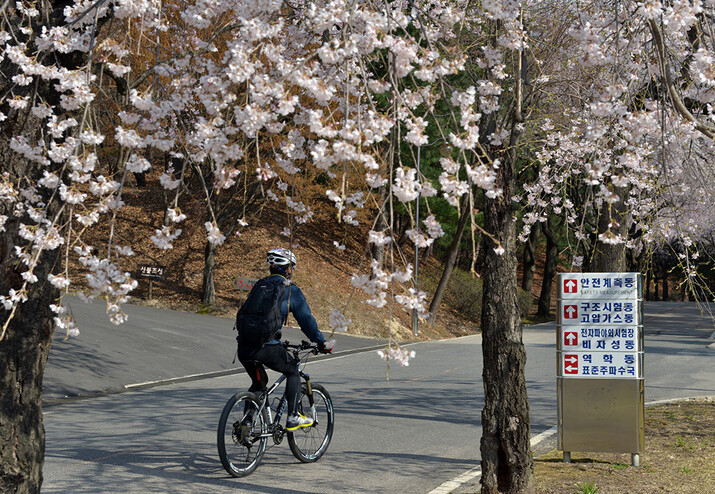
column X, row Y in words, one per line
column 272, row 354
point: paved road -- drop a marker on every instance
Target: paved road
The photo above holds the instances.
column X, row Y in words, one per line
column 153, row 345
column 408, row 434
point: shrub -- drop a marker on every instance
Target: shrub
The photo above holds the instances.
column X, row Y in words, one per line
column 464, row 294
column 525, row 302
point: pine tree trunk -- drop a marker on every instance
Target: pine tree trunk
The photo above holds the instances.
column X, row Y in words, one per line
column 507, row 465
column 449, row 262
column 208, row 290
column 552, row 254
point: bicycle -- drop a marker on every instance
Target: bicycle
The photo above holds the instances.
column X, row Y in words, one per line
column 247, row 422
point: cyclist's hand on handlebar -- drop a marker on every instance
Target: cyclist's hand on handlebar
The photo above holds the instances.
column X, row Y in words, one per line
column 323, row 349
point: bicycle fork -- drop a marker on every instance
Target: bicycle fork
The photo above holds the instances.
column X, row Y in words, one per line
column 311, row 400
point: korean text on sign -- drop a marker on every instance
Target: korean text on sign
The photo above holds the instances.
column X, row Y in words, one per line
column 598, row 312
column 606, row 338
column 611, row 286
column 617, row 365
column 151, row 271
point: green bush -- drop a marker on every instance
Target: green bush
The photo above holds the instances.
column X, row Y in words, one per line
column 525, row 302
column 464, row 294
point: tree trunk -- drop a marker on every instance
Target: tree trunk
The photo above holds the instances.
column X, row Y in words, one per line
column 529, row 259
column 666, row 292
column 552, row 255
column 23, row 353
column 427, row 252
column 611, row 257
column 449, row 262
column 141, row 179
column 26, row 344
column 208, row 290
column 507, row 465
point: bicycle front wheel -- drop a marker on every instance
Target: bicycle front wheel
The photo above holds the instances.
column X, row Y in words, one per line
column 309, row 443
column 241, row 434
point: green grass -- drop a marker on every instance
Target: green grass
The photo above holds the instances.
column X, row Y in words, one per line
column 587, row 488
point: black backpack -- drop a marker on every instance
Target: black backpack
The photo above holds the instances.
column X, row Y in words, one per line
column 259, row 318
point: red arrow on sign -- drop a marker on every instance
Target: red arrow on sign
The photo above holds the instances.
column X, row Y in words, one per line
column 570, row 286
column 570, row 311
column 571, row 369
column 571, row 338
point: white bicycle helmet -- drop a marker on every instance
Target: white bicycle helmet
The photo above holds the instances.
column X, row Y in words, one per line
column 280, row 257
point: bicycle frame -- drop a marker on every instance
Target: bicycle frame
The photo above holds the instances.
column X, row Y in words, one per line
column 274, row 428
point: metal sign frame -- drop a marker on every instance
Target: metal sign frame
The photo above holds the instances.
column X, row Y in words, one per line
column 599, row 364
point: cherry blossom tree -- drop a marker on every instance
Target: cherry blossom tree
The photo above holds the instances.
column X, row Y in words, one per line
column 261, row 91
column 294, row 82
column 642, row 143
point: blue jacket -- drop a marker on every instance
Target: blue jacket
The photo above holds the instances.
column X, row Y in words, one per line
column 294, row 302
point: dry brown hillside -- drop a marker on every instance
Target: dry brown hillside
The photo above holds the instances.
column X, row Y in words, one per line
column 323, row 271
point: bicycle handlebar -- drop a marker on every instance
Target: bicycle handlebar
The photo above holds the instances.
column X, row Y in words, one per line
column 304, row 345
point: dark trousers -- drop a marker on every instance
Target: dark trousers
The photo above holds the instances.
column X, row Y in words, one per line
column 276, row 358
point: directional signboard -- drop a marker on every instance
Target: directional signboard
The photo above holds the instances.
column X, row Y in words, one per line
column 152, row 271
column 599, row 311
column 601, row 338
column 600, row 364
column 598, row 286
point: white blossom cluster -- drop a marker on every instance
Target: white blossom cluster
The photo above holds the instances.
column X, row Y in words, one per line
column 400, row 355
column 377, row 283
column 339, row 321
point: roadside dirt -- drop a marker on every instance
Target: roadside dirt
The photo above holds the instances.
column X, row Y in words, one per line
column 679, row 458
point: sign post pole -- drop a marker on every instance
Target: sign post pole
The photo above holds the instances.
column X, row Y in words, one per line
column 600, row 377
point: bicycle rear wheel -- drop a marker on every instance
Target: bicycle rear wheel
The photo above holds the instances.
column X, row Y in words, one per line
column 240, row 441
column 309, row 443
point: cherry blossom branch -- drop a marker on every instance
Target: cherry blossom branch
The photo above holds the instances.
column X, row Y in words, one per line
column 707, row 130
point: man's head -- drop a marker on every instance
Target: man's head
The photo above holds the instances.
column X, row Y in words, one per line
column 281, row 261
